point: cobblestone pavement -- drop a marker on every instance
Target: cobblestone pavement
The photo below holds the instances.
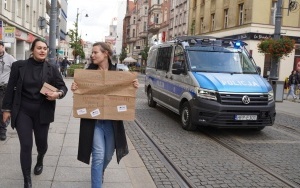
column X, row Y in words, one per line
column 209, row 164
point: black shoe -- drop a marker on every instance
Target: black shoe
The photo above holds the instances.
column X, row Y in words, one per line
column 2, row 136
column 38, row 169
column 27, row 178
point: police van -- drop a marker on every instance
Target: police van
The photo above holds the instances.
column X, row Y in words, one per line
column 209, row 82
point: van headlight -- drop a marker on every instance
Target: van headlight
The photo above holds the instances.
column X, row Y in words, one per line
column 270, row 95
column 206, row 94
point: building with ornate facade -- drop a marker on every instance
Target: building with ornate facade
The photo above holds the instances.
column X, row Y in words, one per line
column 250, row 21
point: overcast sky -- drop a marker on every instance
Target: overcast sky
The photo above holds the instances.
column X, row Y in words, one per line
column 100, row 12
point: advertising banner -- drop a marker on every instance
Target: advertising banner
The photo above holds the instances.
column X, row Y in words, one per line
column 9, row 34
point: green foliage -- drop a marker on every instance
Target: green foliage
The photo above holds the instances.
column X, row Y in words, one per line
column 123, row 54
column 276, row 48
column 71, row 69
column 144, row 53
column 75, row 42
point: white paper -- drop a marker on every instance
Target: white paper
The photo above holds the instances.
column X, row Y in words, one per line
column 81, row 111
column 95, row 113
column 122, row 108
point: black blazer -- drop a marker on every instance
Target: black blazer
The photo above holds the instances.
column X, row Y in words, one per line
column 13, row 93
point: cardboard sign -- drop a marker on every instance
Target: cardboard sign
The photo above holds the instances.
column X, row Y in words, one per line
column 47, row 88
column 104, row 95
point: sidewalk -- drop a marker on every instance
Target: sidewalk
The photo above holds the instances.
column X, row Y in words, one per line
column 61, row 167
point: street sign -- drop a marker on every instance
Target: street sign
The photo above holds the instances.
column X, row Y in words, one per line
column 9, row 34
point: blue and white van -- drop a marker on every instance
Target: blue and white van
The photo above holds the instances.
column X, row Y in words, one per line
column 209, row 82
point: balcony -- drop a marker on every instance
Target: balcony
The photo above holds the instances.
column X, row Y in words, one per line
column 143, row 34
column 131, row 39
column 153, row 27
column 155, row 8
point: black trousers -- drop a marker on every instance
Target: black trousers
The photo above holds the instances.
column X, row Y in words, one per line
column 28, row 122
column 3, row 125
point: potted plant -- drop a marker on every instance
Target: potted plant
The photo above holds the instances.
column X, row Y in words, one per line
column 276, row 48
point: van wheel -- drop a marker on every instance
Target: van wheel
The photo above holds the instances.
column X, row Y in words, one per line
column 151, row 102
column 186, row 116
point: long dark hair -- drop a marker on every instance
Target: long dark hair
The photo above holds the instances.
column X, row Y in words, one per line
column 104, row 47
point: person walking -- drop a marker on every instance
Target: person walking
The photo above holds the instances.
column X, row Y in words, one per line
column 293, row 81
column 6, row 61
column 63, row 66
column 100, row 138
column 28, row 109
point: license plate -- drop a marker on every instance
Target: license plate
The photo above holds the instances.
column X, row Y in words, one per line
column 245, row 117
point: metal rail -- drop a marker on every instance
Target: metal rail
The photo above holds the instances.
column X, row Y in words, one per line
column 180, row 177
column 254, row 162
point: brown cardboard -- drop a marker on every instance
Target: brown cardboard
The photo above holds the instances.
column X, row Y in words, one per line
column 104, row 95
column 47, row 88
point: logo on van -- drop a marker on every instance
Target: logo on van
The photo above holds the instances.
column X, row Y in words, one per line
column 246, row 99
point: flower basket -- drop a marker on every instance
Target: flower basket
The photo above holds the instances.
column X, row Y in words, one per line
column 276, row 48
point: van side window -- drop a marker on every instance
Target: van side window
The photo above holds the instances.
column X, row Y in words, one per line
column 179, row 60
column 151, row 61
column 164, row 58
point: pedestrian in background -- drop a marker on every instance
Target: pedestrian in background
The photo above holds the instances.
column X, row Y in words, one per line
column 29, row 110
column 293, row 82
column 63, row 66
column 101, row 137
column 6, row 61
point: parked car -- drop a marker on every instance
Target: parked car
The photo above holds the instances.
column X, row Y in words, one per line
column 122, row 67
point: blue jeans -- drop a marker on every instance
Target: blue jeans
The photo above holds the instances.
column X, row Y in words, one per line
column 102, row 151
column 291, row 91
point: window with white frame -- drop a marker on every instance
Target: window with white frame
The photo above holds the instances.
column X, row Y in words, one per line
column 27, row 14
column 212, row 24
column 166, row 15
column 34, row 18
column 225, row 18
column 7, row 5
column 156, row 18
column 145, row 26
column 241, row 14
column 19, row 8
column 202, row 24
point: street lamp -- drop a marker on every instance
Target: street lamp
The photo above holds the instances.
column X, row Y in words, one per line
column 77, row 15
column 76, row 31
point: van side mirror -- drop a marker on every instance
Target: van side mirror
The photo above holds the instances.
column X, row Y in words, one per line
column 177, row 69
column 258, row 69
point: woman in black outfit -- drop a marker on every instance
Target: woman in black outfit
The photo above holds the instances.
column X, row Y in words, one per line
column 28, row 109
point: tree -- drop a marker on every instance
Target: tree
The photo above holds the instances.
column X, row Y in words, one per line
column 123, row 55
column 76, row 42
column 144, row 53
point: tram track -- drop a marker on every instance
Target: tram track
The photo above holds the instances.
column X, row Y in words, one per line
column 181, row 178
column 279, row 177
column 184, row 181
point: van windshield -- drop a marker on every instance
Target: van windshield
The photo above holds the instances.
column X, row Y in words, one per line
column 224, row 61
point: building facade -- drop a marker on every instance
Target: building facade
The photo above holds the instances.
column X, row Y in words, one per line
column 179, row 17
column 24, row 20
column 21, row 23
column 250, row 21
